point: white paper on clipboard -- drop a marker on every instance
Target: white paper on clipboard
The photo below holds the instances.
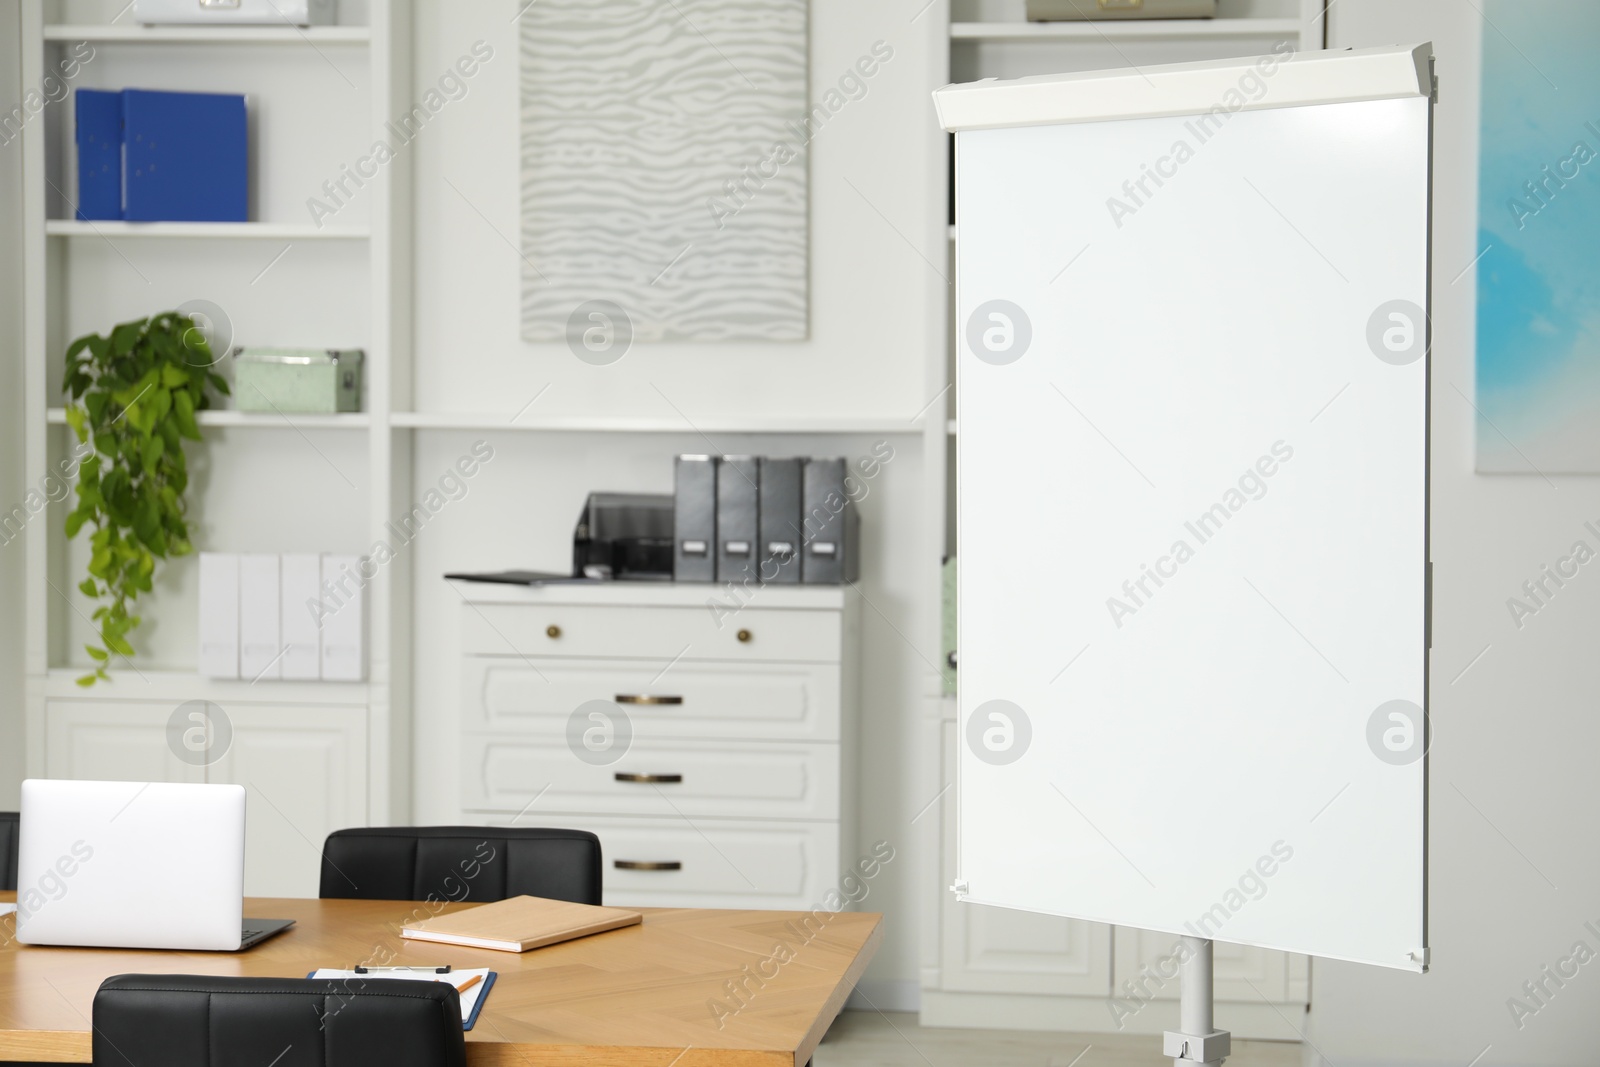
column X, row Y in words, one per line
column 469, row 999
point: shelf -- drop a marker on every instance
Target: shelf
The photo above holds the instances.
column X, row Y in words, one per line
column 281, row 231
column 132, row 34
column 132, row 680
column 427, row 420
column 357, row 420
column 1123, row 29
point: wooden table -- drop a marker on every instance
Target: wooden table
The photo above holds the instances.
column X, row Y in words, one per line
column 654, row 995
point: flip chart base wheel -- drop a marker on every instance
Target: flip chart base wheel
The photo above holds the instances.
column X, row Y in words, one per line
column 1197, row 1043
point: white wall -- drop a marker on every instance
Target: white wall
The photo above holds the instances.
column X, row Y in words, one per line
column 11, row 481
column 1513, row 799
column 876, row 315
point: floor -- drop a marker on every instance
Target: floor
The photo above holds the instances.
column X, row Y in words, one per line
column 893, row 1039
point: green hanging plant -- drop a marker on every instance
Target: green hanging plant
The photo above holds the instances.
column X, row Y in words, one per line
column 134, row 394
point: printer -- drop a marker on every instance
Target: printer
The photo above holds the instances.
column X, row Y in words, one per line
column 624, row 535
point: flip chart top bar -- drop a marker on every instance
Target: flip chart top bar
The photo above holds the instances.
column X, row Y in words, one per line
column 1290, row 79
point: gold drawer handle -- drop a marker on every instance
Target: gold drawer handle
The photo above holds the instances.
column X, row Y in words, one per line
column 744, row 636
column 552, row 631
column 647, row 698
column 647, row 865
column 650, row 779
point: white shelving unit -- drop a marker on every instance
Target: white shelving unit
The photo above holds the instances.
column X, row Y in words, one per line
column 314, row 755
column 264, row 481
column 988, row 967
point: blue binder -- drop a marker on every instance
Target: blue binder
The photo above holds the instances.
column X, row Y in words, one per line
column 185, row 157
column 97, row 115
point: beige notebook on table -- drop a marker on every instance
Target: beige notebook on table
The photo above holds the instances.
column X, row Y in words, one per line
column 518, row 924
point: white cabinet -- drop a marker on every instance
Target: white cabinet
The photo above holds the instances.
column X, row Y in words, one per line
column 303, row 762
column 304, row 773
column 1013, row 969
column 712, row 753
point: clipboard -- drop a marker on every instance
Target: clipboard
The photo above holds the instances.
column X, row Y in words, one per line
column 471, row 1001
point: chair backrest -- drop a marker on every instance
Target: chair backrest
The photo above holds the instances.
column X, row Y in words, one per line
column 10, row 837
column 455, row 863
column 179, row 1020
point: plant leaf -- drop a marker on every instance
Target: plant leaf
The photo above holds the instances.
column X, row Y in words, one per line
column 183, row 412
column 151, row 455
column 123, row 337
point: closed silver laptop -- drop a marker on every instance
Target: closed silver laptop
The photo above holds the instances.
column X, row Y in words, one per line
column 134, row 865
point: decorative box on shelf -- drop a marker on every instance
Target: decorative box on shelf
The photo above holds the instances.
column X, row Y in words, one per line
column 306, row 380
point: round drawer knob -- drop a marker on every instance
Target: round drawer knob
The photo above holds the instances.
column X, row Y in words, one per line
column 552, row 631
column 743, row 636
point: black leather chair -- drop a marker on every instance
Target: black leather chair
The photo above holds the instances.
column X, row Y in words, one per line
column 177, row 1020
column 455, row 863
column 10, row 835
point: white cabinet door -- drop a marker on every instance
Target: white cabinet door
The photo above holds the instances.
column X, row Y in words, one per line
column 682, row 780
column 662, row 698
column 304, row 769
column 995, row 950
column 115, row 741
column 645, row 632
column 710, row 863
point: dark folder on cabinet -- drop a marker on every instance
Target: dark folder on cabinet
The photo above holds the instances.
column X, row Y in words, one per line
column 781, row 491
column 694, row 534
column 830, row 524
column 738, row 524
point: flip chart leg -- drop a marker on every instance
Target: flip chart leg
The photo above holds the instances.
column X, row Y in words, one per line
column 1197, row 1042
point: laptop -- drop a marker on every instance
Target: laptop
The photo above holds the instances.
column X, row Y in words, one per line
column 134, row 865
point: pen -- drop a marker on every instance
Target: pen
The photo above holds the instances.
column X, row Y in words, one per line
column 404, row 970
column 469, row 983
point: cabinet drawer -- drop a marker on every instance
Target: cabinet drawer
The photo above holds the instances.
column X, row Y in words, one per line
column 667, row 633
column 660, row 779
column 771, row 865
column 661, row 699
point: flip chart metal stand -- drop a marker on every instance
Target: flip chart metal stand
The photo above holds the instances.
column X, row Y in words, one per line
column 1198, row 1041
column 1192, row 312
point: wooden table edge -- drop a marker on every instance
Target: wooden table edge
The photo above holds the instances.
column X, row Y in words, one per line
column 841, row 993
